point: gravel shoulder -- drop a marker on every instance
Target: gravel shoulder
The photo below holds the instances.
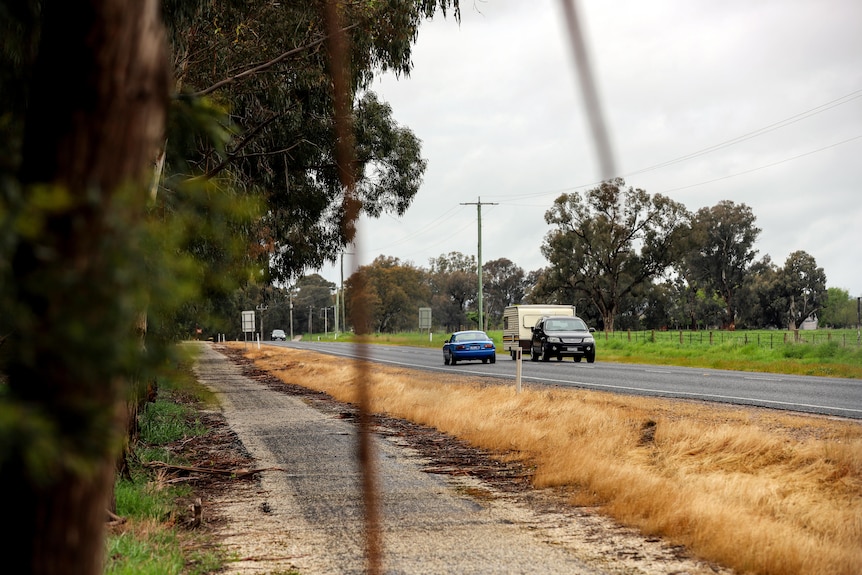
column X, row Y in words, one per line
column 448, row 508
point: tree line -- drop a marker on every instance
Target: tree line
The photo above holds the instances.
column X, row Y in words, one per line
column 626, row 259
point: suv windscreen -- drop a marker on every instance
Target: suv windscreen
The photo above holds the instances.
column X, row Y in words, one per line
column 565, row 324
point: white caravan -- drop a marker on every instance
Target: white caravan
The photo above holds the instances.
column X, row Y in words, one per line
column 518, row 322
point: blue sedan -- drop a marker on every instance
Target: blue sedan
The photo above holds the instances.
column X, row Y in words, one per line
column 469, row 345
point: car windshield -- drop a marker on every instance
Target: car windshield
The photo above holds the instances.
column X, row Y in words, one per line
column 566, row 324
column 470, row 336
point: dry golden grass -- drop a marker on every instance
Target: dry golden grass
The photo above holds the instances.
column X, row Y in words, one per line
column 756, row 490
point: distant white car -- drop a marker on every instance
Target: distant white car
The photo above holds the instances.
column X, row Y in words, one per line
column 278, row 334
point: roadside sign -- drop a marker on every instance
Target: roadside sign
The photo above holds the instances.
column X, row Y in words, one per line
column 424, row 318
column 248, row 321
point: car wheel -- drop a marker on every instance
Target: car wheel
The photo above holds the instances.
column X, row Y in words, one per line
column 559, row 358
column 493, row 359
column 533, row 355
column 453, row 360
column 591, row 359
column 577, row 359
column 445, row 360
column 545, row 355
column 484, row 360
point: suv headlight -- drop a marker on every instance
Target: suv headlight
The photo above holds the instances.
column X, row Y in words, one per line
column 589, row 339
column 553, row 340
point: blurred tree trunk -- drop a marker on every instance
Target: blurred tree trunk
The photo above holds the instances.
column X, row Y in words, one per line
column 96, row 114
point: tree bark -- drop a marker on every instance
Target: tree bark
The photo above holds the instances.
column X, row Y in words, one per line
column 96, row 115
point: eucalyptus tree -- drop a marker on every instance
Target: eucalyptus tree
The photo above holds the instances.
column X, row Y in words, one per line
column 721, row 252
column 312, row 303
column 803, row 286
column 609, row 242
column 840, row 310
column 393, row 291
column 454, row 287
column 85, row 93
column 266, row 63
column 503, row 285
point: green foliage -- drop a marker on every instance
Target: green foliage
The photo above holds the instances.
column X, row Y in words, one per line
column 150, row 542
column 158, row 554
column 391, row 295
column 164, row 422
column 263, row 61
column 141, row 499
column 609, row 244
column 840, row 310
column 721, row 249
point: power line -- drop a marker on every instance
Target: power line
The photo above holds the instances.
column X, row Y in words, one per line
column 845, row 99
column 767, row 165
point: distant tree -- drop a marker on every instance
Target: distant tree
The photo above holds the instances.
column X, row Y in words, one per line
column 394, row 290
column 761, row 298
column 314, row 294
column 804, row 288
column 721, row 250
column 609, row 243
column 839, row 309
column 454, row 283
column 533, row 291
column 503, row 285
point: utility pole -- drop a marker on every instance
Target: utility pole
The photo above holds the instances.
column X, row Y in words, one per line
column 261, row 308
column 343, row 303
column 858, row 320
column 479, row 205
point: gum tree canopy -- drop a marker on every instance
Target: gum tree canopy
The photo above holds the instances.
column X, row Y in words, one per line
column 610, row 242
column 266, row 62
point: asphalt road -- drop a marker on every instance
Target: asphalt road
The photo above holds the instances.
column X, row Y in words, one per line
column 807, row 394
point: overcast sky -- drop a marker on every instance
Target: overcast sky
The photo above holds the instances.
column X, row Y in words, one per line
column 756, row 102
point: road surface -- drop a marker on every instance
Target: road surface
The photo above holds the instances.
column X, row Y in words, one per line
column 807, row 394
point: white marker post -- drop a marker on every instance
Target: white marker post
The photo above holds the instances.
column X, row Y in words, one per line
column 518, row 368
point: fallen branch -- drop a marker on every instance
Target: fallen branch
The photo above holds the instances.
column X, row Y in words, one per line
column 238, row 473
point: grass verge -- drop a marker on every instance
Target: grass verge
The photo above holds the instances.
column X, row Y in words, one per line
column 152, row 538
column 760, row 351
column 757, row 490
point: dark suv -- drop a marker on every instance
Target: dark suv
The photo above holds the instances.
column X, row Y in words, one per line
column 562, row 336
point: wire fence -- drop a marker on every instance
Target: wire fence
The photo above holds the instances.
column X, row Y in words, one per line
column 769, row 338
